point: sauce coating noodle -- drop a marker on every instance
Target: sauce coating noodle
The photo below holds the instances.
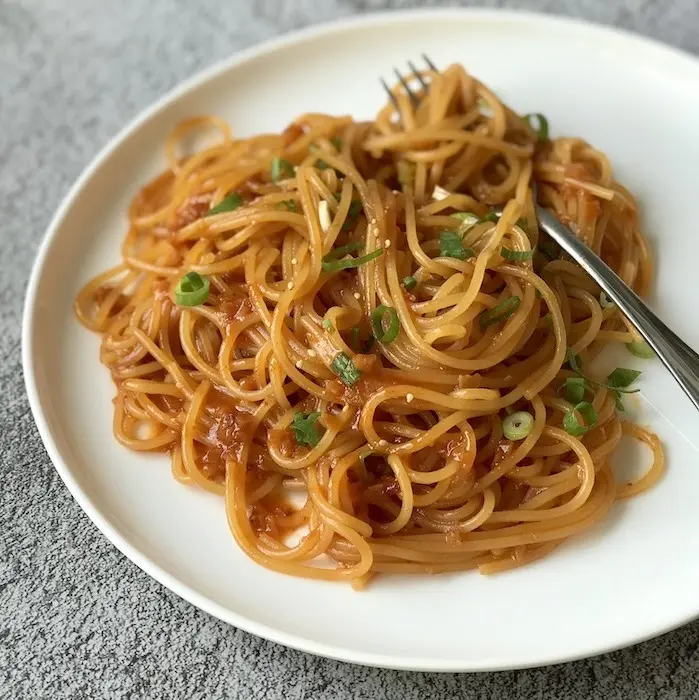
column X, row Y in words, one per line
column 400, row 447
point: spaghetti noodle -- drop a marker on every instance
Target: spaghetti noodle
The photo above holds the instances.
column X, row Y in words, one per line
column 337, row 310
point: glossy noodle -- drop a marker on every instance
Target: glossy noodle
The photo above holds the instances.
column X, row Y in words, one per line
column 374, row 371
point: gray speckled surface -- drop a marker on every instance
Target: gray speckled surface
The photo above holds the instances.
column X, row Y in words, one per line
column 77, row 619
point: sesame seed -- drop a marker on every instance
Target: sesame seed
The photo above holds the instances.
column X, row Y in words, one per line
column 387, row 243
column 294, row 261
column 382, row 442
column 376, row 231
column 290, row 285
column 311, row 353
column 409, row 398
column 357, row 295
column 298, row 364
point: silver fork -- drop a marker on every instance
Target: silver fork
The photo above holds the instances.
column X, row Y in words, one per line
column 673, row 352
column 414, row 99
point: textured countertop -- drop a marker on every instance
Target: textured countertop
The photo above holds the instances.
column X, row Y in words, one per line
column 77, row 619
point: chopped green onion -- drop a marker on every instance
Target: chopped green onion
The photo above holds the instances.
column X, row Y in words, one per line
column 542, row 126
column 575, row 389
column 288, row 204
column 345, row 369
column 332, row 264
column 450, row 246
column 230, row 203
column 605, row 302
column 516, row 255
column 409, row 282
column 337, row 142
column 549, row 320
column 192, row 290
column 491, row 217
column 523, row 225
column 621, row 378
column 572, row 424
column 381, row 333
column 337, row 253
column 305, row 428
column 282, row 169
column 518, row 425
column 328, row 325
column 502, row 311
column 321, row 164
column 573, row 359
column 641, row 349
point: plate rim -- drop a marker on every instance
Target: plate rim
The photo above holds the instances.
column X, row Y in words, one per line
column 624, row 37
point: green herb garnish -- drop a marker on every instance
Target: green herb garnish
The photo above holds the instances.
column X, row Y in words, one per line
column 305, row 428
column 230, row 203
column 617, row 382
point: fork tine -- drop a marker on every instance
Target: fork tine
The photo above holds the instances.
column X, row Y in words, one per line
column 418, row 75
column 414, row 100
column 391, row 96
column 431, row 65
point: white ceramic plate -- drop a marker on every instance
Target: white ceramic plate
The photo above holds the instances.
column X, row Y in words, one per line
column 635, row 576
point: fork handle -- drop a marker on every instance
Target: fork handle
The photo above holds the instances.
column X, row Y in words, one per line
column 674, row 353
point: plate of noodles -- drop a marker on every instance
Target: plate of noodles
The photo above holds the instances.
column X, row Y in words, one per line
column 303, row 375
